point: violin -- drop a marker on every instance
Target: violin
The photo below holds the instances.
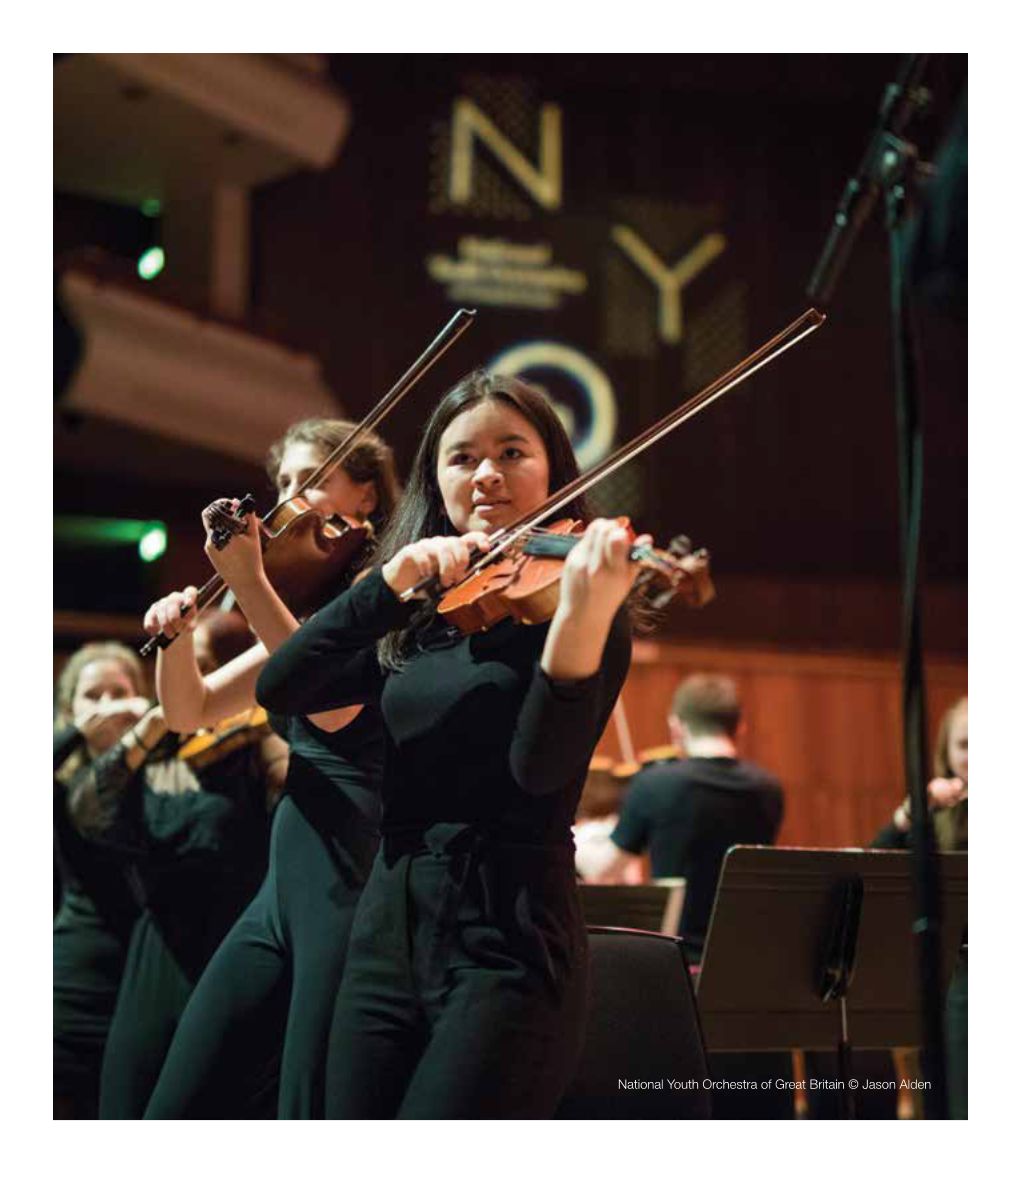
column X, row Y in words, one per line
column 304, row 552
column 524, row 583
column 211, row 745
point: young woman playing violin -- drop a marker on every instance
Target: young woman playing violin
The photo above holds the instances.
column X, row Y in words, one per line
column 464, row 994
column 99, row 696
column 188, row 849
column 273, row 982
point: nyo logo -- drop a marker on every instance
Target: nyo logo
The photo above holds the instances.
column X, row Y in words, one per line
column 579, row 390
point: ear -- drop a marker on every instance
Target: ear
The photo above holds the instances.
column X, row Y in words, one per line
column 677, row 732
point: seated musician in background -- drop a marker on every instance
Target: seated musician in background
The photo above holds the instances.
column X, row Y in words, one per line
column 689, row 811
column 100, row 694
column 598, row 811
column 947, row 790
column 947, row 803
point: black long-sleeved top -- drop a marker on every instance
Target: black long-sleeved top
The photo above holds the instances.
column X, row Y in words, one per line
column 949, row 825
column 475, row 731
column 65, row 741
column 193, row 858
column 94, row 890
column 168, row 820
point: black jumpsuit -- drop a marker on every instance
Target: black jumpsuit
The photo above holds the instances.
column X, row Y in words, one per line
column 273, row 982
column 466, row 985
column 194, row 860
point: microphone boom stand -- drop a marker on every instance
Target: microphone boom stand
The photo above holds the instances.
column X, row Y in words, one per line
column 889, row 167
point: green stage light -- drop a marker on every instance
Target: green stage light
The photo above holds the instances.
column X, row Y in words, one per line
column 153, row 542
column 151, row 263
column 101, row 533
column 152, row 207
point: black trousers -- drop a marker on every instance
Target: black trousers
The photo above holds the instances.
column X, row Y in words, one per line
column 88, row 964
column 267, row 996
column 466, row 986
column 154, row 991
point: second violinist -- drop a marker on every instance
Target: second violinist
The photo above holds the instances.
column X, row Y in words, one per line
column 466, row 984
column 274, row 979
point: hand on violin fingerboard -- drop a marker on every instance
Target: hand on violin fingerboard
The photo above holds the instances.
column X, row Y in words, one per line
column 597, row 574
column 238, row 561
column 447, row 558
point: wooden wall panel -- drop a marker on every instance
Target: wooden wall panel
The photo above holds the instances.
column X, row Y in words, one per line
column 828, row 725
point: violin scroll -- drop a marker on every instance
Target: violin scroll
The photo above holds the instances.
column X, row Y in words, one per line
column 687, row 576
column 224, row 524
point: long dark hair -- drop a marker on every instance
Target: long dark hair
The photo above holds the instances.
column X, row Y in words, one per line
column 421, row 512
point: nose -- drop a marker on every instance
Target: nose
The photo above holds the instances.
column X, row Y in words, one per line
column 487, row 474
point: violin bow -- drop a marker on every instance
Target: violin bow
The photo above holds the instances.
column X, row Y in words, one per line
column 462, row 319
column 506, row 536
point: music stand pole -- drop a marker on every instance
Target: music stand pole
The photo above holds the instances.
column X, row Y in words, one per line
column 837, row 958
column 844, row 1057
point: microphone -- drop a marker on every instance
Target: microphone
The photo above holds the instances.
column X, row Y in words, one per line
column 902, row 97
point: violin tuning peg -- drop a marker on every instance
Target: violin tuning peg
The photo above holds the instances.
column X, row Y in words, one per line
column 224, row 523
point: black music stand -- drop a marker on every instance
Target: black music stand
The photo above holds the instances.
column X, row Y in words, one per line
column 814, row 949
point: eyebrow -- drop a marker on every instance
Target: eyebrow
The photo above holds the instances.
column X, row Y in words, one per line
column 301, row 473
column 503, row 439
